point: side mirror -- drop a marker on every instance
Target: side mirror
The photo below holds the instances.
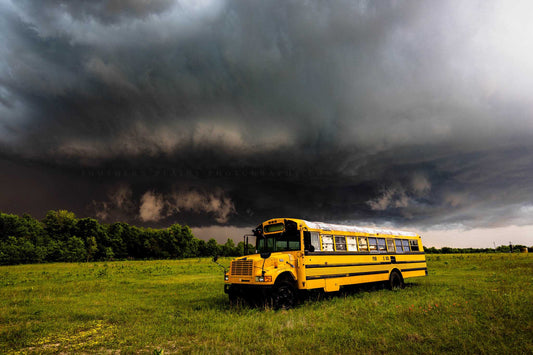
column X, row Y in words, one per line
column 215, row 258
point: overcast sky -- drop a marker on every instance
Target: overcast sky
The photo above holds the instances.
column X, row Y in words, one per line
column 222, row 114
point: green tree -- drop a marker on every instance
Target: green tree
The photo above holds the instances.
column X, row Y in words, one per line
column 201, row 248
column 74, row 250
column 54, row 250
column 503, row 249
column 133, row 240
column 15, row 250
column 11, row 226
column 22, row 239
column 92, row 248
column 117, row 234
column 212, row 247
column 242, row 250
column 229, row 249
column 109, row 255
column 59, row 225
column 86, row 228
column 60, row 236
column 185, row 240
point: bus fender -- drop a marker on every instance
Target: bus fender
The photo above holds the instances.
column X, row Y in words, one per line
column 395, row 279
column 397, row 270
column 285, row 276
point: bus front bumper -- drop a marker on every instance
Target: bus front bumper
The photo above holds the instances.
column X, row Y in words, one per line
column 243, row 290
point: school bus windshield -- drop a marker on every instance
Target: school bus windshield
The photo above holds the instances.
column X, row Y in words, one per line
column 278, row 242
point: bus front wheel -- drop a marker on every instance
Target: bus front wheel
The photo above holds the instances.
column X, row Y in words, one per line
column 396, row 280
column 233, row 298
column 283, row 295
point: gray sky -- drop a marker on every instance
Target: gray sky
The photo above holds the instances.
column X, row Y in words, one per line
column 221, row 114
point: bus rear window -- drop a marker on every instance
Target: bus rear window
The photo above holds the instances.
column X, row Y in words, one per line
column 414, row 245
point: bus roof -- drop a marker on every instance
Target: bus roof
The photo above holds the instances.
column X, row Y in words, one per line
column 356, row 229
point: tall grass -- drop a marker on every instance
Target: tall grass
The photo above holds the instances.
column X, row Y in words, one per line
column 475, row 303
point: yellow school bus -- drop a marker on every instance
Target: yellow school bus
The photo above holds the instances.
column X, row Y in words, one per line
column 294, row 255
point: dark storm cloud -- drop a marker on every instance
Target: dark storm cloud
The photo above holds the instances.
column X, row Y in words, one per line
column 232, row 112
column 105, row 12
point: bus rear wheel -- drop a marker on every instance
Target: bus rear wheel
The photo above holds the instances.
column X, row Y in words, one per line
column 283, row 296
column 396, row 280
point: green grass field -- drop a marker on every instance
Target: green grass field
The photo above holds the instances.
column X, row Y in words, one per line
column 473, row 304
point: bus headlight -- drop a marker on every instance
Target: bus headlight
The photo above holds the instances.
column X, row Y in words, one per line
column 263, row 279
column 226, row 277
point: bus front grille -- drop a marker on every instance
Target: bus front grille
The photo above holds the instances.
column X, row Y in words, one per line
column 242, row 267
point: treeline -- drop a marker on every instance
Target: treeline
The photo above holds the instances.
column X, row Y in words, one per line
column 501, row 249
column 60, row 236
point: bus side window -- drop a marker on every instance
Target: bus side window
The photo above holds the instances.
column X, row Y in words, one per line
column 405, row 244
column 327, row 243
column 351, row 243
column 315, row 240
column 398, row 243
column 281, row 245
column 414, row 245
column 340, row 243
column 307, row 240
column 382, row 247
column 270, row 244
column 390, row 245
column 363, row 245
column 373, row 244
column 294, row 245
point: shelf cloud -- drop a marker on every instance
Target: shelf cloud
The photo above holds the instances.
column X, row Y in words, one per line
column 230, row 112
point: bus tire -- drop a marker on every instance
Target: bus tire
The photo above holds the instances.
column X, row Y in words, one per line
column 283, row 295
column 395, row 280
column 233, row 298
